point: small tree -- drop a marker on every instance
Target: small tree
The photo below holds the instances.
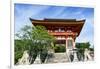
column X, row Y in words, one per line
column 81, row 48
column 43, row 40
column 34, row 39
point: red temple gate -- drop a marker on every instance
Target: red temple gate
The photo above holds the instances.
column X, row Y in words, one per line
column 65, row 30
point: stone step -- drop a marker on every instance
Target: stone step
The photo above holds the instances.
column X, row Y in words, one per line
column 58, row 58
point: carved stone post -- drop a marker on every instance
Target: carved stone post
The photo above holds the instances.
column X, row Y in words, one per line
column 75, row 55
column 37, row 60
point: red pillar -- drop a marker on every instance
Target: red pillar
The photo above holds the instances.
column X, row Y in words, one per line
column 66, row 41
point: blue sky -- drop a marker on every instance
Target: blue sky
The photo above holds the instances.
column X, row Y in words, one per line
column 22, row 13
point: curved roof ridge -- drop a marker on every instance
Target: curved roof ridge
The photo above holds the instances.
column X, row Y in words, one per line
column 57, row 20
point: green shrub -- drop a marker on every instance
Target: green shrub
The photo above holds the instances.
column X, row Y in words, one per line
column 59, row 49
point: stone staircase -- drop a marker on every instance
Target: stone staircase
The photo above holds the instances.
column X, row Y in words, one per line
column 58, row 58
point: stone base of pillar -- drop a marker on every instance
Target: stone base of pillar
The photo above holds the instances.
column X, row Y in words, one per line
column 25, row 59
column 37, row 60
column 68, row 53
column 75, row 55
column 87, row 55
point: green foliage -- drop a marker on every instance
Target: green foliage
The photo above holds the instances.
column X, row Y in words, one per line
column 34, row 39
column 59, row 49
column 18, row 50
column 43, row 55
column 91, row 49
column 82, row 46
column 42, row 34
column 18, row 55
